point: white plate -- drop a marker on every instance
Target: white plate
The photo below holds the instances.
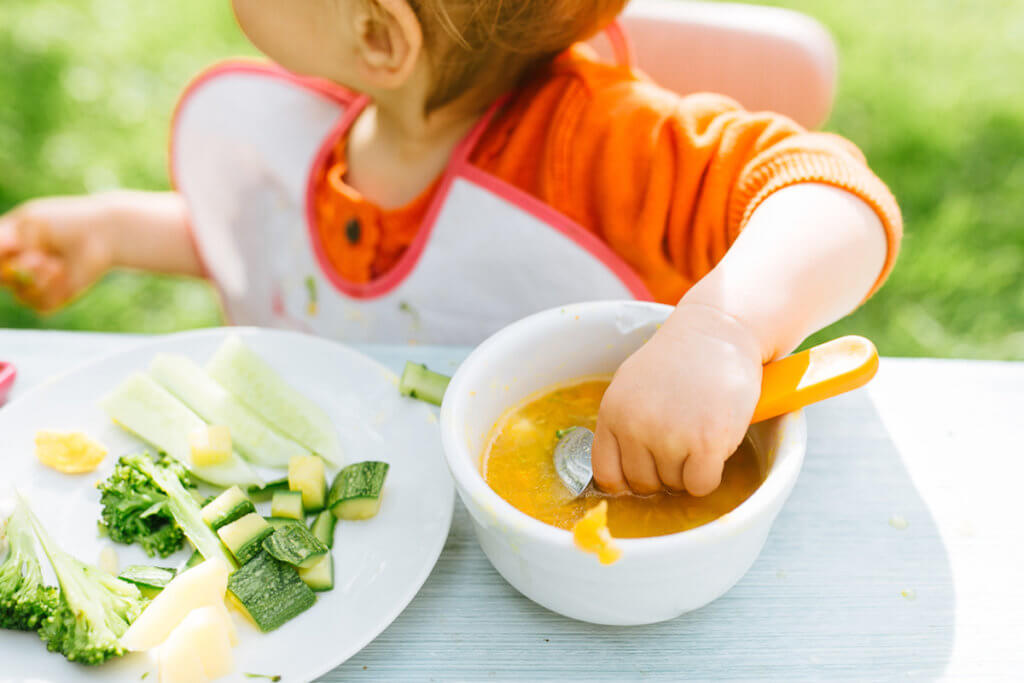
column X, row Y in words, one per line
column 380, row 564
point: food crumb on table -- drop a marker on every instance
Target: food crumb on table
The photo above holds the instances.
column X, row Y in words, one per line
column 898, row 522
column 909, row 594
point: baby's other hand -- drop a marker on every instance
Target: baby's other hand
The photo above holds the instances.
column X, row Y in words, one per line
column 52, row 249
column 680, row 406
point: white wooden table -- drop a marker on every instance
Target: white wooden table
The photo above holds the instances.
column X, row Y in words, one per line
column 839, row 592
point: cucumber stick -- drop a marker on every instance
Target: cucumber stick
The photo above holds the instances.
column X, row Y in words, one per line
column 252, row 437
column 287, row 504
column 242, row 372
column 356, row 491
column 306, row 474
column 295, row 545
column 227, row 507
column 153, row 414
column 270, row 591
column 420, row 383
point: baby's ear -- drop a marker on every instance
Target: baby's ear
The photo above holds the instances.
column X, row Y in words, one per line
column 389, row 41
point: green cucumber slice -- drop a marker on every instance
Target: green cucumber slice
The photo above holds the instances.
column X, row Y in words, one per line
column 278, row 522
column 242, row 372
column 356, row 491
column 146, row 409
column 230, row 505
column 295, row 545
column 323, row 527
column 420, row 383
column 244, row 537
column 319, row 577
column 252, row 438
column 306, row 474
column 287, row 504
column 270, row 591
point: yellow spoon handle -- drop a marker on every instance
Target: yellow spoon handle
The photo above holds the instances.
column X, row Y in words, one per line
column 813, row 375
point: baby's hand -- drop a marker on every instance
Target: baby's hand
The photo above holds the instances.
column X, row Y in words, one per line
column 53, row 249
column 680, row 406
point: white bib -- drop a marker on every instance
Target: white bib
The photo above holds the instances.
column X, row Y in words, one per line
column 247, row 142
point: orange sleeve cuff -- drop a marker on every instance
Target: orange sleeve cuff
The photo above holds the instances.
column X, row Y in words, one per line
column 828, row 168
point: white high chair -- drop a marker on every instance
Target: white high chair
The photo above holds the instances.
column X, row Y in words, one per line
column 766, row 58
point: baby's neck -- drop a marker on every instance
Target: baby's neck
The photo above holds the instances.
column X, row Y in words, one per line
column 395, row 152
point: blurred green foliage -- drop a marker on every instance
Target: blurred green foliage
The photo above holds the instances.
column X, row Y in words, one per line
column 930, row 89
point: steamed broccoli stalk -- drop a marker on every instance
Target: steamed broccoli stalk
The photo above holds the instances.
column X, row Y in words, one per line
column 135, row 509
column 24, row 600
column 93, row 610
column 164, row 474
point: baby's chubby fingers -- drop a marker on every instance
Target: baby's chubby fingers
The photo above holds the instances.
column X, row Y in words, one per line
column 606, row 461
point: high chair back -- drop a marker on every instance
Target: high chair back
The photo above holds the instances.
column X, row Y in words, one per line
column 764, row 57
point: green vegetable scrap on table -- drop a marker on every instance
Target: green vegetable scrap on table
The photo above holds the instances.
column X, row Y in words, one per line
column 93, row 609
column 135, row 509
column 24, row 599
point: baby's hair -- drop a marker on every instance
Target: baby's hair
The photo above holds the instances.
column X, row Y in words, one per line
column 486, row 47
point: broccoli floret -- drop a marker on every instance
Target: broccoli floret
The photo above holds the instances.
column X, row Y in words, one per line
column 93, row 609
column 165, row 475
column 135, row 509
column 24, row 599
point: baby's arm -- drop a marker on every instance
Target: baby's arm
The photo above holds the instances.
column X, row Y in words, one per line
column 680, row 406
column 53, row 249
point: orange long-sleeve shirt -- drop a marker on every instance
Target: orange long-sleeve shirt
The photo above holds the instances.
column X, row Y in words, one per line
column 668, row 182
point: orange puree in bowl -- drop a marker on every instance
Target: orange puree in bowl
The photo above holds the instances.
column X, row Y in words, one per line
column 517, row 464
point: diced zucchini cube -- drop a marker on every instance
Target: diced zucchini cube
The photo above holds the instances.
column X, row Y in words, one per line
column 230, row 505
column 296, row 545
column 319, row 577
column 287, row 504
column 270, row 591
column 306, row 474
column 323, row 527
column 244, row 537
column 356, row 491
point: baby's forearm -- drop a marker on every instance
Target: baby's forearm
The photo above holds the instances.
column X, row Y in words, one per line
column 150, row 231
column 809, row 255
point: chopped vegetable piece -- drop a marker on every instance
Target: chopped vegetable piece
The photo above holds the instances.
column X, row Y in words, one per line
column 152, row 413
column 242, row 372
column 70, row 453
column 278, row 522
column 25, row 600
column 295, row 545
column 356, row 491
column 244, row 537
column 195, row 558
column 420, row 383
column 210, row 446
column 323, row 527
column 306, row 474
column 253, row 438
column 319, row 577
column 93, row 610
column 287, row 504
column 150, row 577
column 202, row 635
column 230, row 505
column 262, row 493
column 270, row 591
column 200, row 586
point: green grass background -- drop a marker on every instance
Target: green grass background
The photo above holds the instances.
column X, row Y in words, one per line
column 933, row 91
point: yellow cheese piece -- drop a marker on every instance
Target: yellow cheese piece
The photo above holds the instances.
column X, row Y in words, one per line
column 201, row 586
column 210, row 446
column 591, row 534
column 69, row 452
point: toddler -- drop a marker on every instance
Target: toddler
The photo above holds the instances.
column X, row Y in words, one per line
column 431, row 170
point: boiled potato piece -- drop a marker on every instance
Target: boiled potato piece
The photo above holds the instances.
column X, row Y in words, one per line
column 203, row 635
column 202, row 586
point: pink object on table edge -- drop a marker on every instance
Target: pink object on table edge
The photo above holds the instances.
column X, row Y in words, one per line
column 7, row 375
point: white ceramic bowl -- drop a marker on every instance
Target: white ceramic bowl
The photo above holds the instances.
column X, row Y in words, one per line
column 656, row 578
